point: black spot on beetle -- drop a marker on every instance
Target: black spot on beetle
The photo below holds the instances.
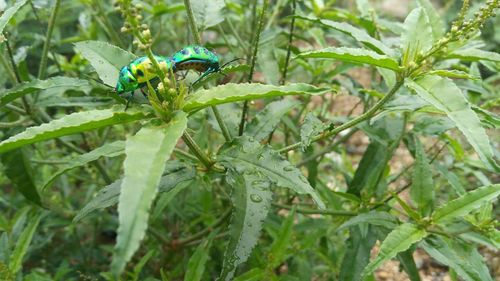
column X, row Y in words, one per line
column 184, row 52
column 196, row 50
column 140, row 73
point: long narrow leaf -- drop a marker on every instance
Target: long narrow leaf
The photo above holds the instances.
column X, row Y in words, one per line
column 19, row 170
column 240, row 92
column 443, row 94
column 355, row 55
column 399, row 240
column 7, row 15
column 251, row 198
column 22, row 244
column 147, row 153
column 37, row 85
column 466, row 203
column 71, row 124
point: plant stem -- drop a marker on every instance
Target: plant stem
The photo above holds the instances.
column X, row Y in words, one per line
column 197, row 39
column 7, row 68
column 252, row 64
column 223, row 126
column 365, row 116
column 196, row 150
column 320, row 212
column 289, row 48
column 43, row 61
column 12, row 62
column 192, row 22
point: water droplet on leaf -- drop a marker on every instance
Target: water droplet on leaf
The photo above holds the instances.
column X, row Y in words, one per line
column 255, row 198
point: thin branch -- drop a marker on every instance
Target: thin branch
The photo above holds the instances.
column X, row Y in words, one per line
column 43, row 61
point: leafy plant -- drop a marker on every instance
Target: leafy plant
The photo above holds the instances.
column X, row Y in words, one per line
column 255, row 172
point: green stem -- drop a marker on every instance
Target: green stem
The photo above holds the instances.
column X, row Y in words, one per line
column 365, row 116
column 289, row 48
column 197, row 39
column 185, row 154
column 192, row 22
column 196, row 150
column 320, row 212
column 205, row 231
column 252, row 64
column 223, row 126
column 7, row 68
column 46, row 45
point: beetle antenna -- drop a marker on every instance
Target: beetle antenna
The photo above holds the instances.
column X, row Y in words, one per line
column 100, row 82
column 233, row 60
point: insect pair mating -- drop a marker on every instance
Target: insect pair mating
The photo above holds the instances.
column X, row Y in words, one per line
column 136, row 74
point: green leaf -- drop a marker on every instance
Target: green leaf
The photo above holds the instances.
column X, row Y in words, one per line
column 34, row 86
column 251, row 197
column 452, row 74
column 359, row 34
column 108, row 150
column 408, row 264
column 473, row 54
column 418, row 36
column 174, row 174
column 399, row 240
column 443, row 94
column 266, row 120
column 383, row 219
column 435, row 20
column 208, row 13
column 22, row 244
column 310, row 128
column 245, row 154
column 248, row 91
column 422, row 187
column 385, row 135
column 140, row 265
column 196, row 263
column 19, row 170
column 278, row 251
column 355, row 55
column 465, row 204
column 8, row 14
column 358, row 249
column 71, row 124
column 461, row 257
column 254, row 274
column 106, row 59
column 146, row 154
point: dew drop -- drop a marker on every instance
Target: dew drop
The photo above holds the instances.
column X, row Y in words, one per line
column 289, row 168
column 255, row 198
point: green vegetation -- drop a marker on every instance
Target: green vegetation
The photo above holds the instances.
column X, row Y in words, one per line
column 342, row 138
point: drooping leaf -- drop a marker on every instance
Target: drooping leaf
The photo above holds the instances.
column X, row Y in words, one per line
column 358, row 249
column 385, row 135
column 310, row 128
column 208, row 13
column 279, row 248
column 196, row 263
column 19, row 170
column 71, row 124
column 7, row 14
column 422, row 187
column 359, row 34
column 108, row 150
column 399, row 240
column 146, row 154
column 251, row 198
column 383, row 219
column 244, row 154
column 453, row 73
column 473, row 54
column 240, row 92
column 22, row 244
column 443, row 94
column 266, row 121
column 435, row 20
column 34, row 86
column 418, row 36
column 465, row 204
column 355, row 55
column 409, row 265
column 174, row 174
column 461, row 257
column 106, row 59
